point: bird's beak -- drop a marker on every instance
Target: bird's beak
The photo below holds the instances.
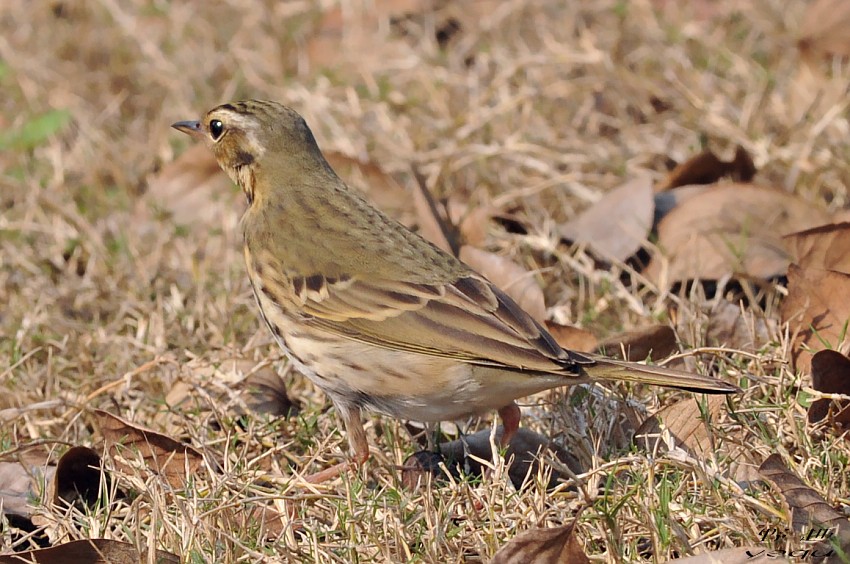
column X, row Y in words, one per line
column 192, row 128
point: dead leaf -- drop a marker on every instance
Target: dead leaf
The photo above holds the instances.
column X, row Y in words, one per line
column 825, row 246
column 193, row 189
column 358, row 37
column 825, row 27
column 554, row 545
column 473, row 225
column 665, row 202
column 459, row 456
column 655, row 342
column 616, row 226
column 573, row 338
column 684, row 420
column 175, row 461
column 817, row 312
column 831, row 375
column 730, row 229
column 266, row 393
column 20, row 485
column 94, row 551
column 808, row 509
column 744, row 555
column 707, row 168
column 510, row 277
column 78, row 477
column 263, row 390
column 730, row 325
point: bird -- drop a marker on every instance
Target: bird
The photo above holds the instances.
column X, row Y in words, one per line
column 375, row 315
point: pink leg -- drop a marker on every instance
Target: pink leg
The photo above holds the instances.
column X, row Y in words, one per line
column 510, row 415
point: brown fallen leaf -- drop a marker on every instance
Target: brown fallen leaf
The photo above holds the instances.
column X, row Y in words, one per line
column 20, row 485
column 667, row 201
column 730, row 229
column 655, row 342
column 826, row 246
column 473, row 225
column 266, row 393
column 358, row 37
column 94, row 551
column 459, row 456
column 816, row 311
column 193, row 189
column 553, row 545
column 615, row 227
column 730, row 325
column 574, row 338
column 174, row 461
column 809, row 510
column 510, row 277
column 690, row 431
column 78, row 477
column 685, row 421
column 831, row 375
column 824, row 29
column 708, row 168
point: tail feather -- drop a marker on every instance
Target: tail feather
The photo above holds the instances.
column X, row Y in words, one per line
column 609, row 369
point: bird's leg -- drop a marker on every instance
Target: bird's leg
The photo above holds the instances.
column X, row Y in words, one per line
column 510, row 415
column 357, row 441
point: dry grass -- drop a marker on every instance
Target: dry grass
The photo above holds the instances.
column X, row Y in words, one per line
column 537, row 105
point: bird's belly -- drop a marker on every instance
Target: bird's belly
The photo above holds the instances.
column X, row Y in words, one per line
column 401, row 384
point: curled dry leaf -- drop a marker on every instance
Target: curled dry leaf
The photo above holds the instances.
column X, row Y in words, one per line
column 809, row 510
column 730, row 229
column 691, row 431
column 75, row 478
column 78, row 477
column 831, row 375
column 573, row 338
column 655, row 342
column 266, row 393
column 173, row 460
column 824, row 30
column 708, row 168
column 816, row 310
column 825, row 246
column 355, row 37
column 193, row 189
column 616, row 226
column 94, row 551
column 554, row 545
column 513, row 279
column 730, row 325
column 20, row 485
column 685, row 421
column 459, row 456
column 262, row 389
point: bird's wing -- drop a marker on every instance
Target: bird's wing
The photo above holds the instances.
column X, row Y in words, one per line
column 469, row 319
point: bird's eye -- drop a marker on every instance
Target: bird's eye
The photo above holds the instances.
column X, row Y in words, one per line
column 216, row 129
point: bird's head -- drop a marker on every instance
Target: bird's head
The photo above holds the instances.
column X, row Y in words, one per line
column 251, row 135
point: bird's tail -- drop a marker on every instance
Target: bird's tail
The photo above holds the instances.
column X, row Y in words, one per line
column 608, row 369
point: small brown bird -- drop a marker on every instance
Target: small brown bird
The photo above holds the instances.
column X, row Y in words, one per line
column 372, row 313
